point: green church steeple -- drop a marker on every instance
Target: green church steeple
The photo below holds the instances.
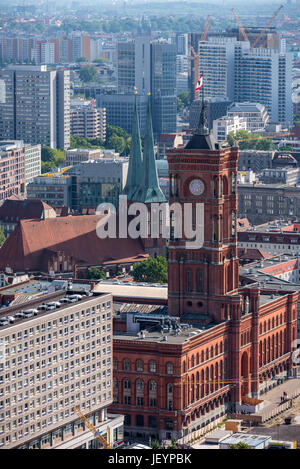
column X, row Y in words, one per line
column 149, row 190
column 134, row 174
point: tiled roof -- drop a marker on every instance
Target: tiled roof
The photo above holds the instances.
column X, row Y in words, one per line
column 33, row 241
column 15, row 209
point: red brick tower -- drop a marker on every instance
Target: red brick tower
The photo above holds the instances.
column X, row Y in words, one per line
column 199, row 278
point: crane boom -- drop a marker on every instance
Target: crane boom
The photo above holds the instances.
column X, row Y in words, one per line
column 265, row 28
column 92, row 428
column 241, row 27
column 206, row 28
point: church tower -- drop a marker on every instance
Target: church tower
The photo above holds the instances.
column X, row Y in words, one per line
column 142, row 184
column 204, row 172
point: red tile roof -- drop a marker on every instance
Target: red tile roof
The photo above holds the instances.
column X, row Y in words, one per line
column 15, row 208
column 28, row 247
column 253, row 254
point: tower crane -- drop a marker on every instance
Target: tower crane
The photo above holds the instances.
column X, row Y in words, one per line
column 195, row 56
column 241, row 27
column 92, row 428
column 265, row 28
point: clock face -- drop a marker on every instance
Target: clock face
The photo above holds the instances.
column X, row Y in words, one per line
column 196, row 187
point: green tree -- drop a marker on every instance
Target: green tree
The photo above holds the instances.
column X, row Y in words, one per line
column 180, row 105
column 286, row 148
column 184, row 97
column 88, row 73
column 250, row 141
column 51, row 158
column 297, row 119
column 155, row 444
column 173, row 445
column 2, row 236
column 117, row 143
column 239, row 445
column 151, row 270
column 95, row 274
column 81, row 59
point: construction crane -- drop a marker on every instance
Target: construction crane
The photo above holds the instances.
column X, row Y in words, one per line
column 92, row 428
column 265, row 28
column 195, row 56
column 237, row 140
column 241, row 27
column 206, row 28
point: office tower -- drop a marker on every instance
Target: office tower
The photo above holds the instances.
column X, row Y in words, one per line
column 120, row 107
column 37, row 105
column 133, row 67
column 151, row 67
column 181, row 44
column 81, row 46
column 265, row 76
column 217, row 64
column 163, row 87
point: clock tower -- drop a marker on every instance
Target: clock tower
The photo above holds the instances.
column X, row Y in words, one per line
column 204, row 172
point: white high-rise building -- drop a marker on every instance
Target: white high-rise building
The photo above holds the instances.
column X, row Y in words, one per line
column 265, row 76
column 37, row 105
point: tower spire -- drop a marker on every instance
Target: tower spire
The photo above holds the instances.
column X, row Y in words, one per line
column 135, row 161
column 149, row 189
column 202, row 128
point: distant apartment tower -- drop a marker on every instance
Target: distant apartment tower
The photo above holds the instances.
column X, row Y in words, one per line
column 88, row 121
column 37, row 105
column 81, row 46
column 265, row 76
column 150, row 66
column 217, row 64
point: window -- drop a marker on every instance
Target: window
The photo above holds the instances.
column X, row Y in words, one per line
column 152, row 366
column 126, row 364
column 139, row 365
column 169, row 368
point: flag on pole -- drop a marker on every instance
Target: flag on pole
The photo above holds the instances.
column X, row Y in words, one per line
column 199, row 83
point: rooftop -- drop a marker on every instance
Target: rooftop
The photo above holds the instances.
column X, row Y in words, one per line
column 43, row 306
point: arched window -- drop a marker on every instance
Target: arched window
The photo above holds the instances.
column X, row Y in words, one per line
column 152, row 386
column 211, row 351
column 192, row 361
column 139, row 385
column 126, row 365
column 273, row 323
column 139, row 365
column 260, row 328
column 183, row 367
column 197, row 358
column 202, row 356
column 152, row 366
column 169, row 368
column 207, row 354
column 216, row 350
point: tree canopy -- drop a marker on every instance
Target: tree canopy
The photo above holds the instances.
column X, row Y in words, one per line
column 88, row 73
column 51, row 158
column 151, row 270
column 251, row 141
column 95, row 274
column 239, row 445
column 2, row 236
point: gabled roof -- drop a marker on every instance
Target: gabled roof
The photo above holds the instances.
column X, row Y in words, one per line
column 32, row 240
column 14, row 209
